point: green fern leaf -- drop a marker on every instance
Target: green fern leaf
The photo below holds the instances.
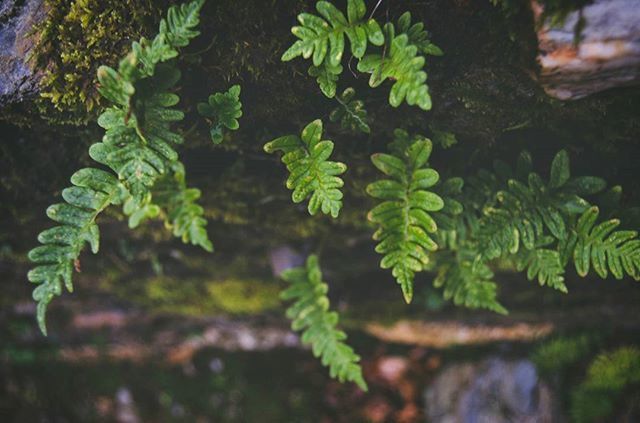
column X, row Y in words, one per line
column 310, row 314
column 183, row 215
column 351, row 113
column 468, row 284
column 225, row 109
column 402, row 64
column 311, row 174
column 327, row 77
column 93, row 190
column 546, row 265
column 606, row 249
column 322, row 39
column 403, row 216
column 138, row 146
column 418, row 36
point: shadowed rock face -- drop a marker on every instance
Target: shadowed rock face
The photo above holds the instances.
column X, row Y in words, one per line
column 17, row 79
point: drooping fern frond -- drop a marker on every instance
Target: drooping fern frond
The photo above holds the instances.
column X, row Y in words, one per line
column 93, row 191
column 310, row 314
column 403, row 217
column 604, row 248
column 224, row 109
column 351, row 113
column 322, row 39
column 138, row 146
column 310, row 173
column 184, row 217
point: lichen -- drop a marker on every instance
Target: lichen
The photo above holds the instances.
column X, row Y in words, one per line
column 76, row 37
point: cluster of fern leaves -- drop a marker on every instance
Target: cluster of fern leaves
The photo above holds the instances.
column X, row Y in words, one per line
column 400, row 53
column 138, row 149
column 540, row 225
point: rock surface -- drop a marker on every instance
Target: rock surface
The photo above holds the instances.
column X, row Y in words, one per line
column 17, row 79
column 493, row 391
column 606, row 55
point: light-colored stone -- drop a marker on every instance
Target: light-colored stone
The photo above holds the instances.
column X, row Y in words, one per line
column 606, row 55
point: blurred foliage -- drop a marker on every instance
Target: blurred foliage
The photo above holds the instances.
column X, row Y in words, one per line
column 559, row 353
column 611, row 388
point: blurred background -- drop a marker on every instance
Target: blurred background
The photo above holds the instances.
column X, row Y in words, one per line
column 160, row 331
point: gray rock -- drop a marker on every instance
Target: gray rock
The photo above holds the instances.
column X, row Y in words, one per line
column 492, row 391
column 17, row 77
column 606, row 55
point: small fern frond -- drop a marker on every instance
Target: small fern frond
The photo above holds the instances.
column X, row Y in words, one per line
column 224, row 109
column 418, row 36
column 544, row 264
column 310, row 173
column 322, row 39
column 351, row 113
column 604, row 248
column 183, row 215
column 403, row 217
column 327, row 77
column 401, row 63
column 93, row 190
column 468, row 284
column 310, row 314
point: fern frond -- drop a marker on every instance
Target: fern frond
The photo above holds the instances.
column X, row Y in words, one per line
column 351, row 113
column 468, row 284
column 418, row 36
column 403, row 217
column 183, row 215
column 225, row 109
column 544, row 264
column 311, row 174
column 93, row 190
column 401, row 63
column 138, row 146
column 322, row 39
column 310, row 314
column 604, row 248
column 527, row 212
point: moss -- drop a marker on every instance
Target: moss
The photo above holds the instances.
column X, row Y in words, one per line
column 244, row 296
column 197, row 297
column 78, row 36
